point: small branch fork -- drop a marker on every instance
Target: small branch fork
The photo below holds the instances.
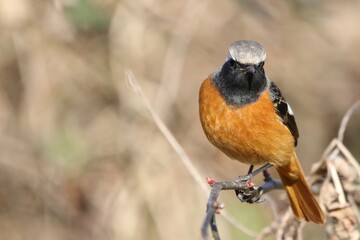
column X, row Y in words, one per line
column 245, row 190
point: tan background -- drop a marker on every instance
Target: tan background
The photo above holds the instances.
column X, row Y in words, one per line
column 80, row 156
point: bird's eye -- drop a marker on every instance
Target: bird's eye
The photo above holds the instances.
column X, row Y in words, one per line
column 261, row 64
column 232, row 62
column 243, row 66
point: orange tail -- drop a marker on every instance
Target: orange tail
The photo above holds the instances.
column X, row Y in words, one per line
column 303, row 202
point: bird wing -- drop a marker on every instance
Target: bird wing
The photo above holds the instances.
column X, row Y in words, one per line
column 284, row 110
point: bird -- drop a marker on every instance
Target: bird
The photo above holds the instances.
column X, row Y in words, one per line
column 244, row 114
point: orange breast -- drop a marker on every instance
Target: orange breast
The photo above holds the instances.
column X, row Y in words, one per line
column 252, row 134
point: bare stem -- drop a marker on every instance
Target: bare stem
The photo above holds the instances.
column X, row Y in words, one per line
column 346, row 119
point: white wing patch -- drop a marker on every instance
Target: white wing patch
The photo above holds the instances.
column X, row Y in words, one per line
column 290, row 110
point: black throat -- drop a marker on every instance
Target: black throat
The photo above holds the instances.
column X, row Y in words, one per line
column 240, row 84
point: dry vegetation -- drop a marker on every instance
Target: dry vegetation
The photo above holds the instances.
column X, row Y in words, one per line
column 80, row 156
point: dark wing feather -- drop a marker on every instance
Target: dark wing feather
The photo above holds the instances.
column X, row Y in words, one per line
column 284, row 111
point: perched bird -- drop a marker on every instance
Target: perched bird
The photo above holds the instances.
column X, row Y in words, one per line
column 244, row 114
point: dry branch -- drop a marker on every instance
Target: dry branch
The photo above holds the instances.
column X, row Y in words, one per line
column 337, row 186
column 131, row 81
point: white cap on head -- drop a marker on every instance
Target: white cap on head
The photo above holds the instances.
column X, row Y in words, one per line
column 247, row 52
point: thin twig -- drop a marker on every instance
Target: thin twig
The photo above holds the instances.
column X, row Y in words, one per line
column 131, row 81
column 346, row 119
column 329, row 149
column 164, row 130
column 230, row 219
column 245, row 191
column 337, row 182
column 349, row 157
column 270, row 229
column 212, row 204
column 354, row 207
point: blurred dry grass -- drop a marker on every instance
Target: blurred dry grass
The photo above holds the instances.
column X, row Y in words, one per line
column 81, row 159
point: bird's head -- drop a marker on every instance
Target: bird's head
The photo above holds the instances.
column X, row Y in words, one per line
column 242, row 76
column 246, row 56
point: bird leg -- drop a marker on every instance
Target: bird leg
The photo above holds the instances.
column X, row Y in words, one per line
column 252, row 173
column 269, row 183
column 251, row 168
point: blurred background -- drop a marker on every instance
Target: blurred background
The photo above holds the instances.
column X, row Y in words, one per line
column 81, row 158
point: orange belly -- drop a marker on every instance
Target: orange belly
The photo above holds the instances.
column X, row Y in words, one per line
column 252, row 134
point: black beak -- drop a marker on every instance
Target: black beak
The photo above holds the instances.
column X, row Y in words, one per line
column 249, row 73
column 250, row 69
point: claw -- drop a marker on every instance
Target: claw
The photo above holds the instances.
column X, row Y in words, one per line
column 251, row 195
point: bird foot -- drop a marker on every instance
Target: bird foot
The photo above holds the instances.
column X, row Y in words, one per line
column 252, row 194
